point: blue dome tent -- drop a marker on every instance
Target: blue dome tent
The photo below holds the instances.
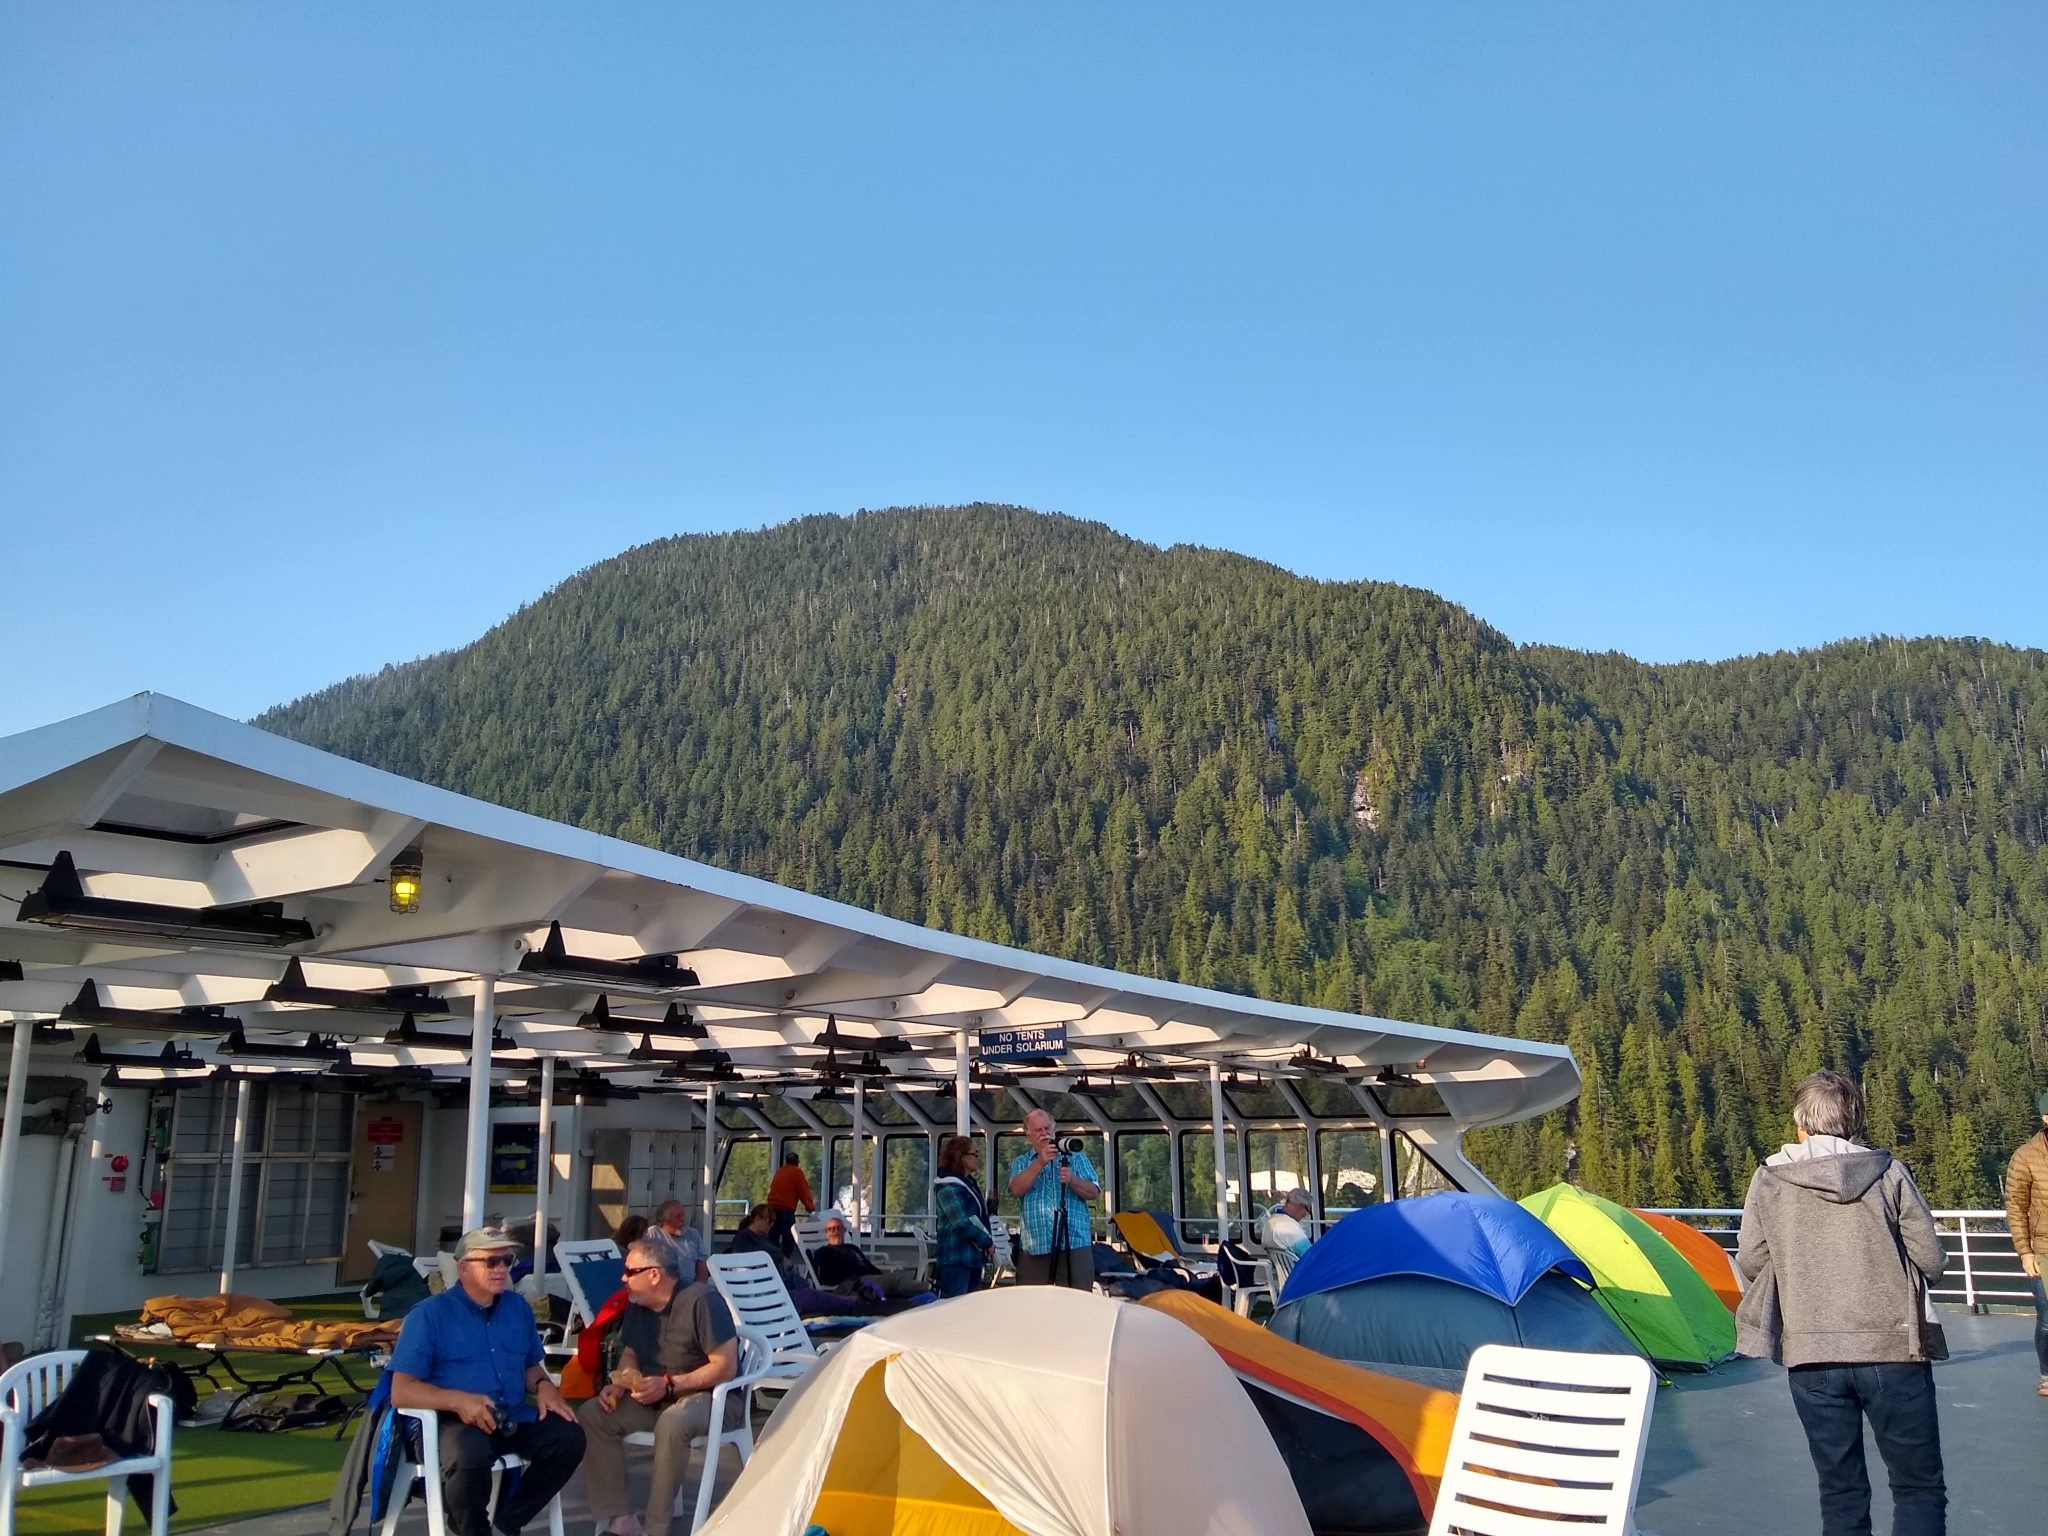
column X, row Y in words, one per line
column 1424, row 1282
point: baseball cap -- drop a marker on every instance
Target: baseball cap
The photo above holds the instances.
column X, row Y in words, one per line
column 484, row 1240
column 2041, row 1104
column 1298, row 1197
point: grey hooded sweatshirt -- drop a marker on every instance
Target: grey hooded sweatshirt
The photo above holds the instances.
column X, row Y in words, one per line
column 1831, row 1235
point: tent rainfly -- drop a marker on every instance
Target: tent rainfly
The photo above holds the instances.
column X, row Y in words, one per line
column 1023, row 1412
column 1645, row 1283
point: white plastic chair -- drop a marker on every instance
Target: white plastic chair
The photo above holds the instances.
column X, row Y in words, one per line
column 760, row 1302
column 1253, row 1272
column 30, row 1387
column 1546, row 1439
column 1002, row 1255
column 1282, row 1262
column 754, row 1361
column 428, row 1472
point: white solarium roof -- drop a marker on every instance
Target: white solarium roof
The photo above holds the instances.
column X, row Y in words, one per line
column 158, row 802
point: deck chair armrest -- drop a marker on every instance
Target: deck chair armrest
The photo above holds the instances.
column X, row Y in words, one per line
column 166, row 1414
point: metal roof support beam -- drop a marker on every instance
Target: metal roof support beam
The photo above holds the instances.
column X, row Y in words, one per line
column 475, row 1170
column 963, row 1096
column 1217, row 1137
column 10, row 1130
column 860, row 1118
column 231, row 1234
column 543, row 1165
column 918, row 1117
column 710, row 1178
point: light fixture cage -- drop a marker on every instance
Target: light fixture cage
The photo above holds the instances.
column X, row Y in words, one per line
column 407, row 874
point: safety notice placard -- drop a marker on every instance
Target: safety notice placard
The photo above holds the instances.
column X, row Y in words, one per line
column 1011, row 1044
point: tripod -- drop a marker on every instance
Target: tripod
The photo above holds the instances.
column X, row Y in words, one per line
column 1060, row 1269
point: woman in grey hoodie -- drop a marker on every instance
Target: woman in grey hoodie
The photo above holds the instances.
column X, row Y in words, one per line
column 1838, row 1247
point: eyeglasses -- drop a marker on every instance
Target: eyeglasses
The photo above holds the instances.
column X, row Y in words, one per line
column 492, row 1260
column 639, row 1269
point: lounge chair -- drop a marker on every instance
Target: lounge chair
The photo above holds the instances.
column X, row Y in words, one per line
column 754, row 1293
column 1543, row 1436
column 593, row 1268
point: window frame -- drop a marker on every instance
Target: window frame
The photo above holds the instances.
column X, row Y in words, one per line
column 260, row 1181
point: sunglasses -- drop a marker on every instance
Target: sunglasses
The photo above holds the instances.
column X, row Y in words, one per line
column 639, row 1269
column 493, row 1261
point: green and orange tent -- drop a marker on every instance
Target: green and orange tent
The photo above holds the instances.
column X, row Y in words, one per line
column 1647, row 1286
column 1702, row 1253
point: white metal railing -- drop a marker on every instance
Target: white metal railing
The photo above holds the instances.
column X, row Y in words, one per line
column 1983, row 1270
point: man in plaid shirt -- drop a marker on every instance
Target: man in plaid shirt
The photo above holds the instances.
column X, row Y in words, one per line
column 1046, row 1183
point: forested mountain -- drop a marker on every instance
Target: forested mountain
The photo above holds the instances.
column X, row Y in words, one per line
column 1708, row 879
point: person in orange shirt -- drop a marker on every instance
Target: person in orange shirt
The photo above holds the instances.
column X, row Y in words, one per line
column 786, row 1191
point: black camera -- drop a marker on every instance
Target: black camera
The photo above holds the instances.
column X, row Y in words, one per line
column 1067, row 1146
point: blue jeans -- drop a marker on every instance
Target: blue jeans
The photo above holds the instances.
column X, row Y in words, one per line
column 1898, row 1399
column 959, row 1279
column 2041, row 1324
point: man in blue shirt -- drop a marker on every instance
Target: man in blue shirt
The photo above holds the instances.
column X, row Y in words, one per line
column 473, row 1354
column 1049, row 1184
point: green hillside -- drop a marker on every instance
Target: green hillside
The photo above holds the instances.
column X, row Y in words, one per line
column 1708, row 878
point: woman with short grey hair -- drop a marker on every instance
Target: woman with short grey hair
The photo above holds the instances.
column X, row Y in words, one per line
column 1839, row 1247
column 1828, row 1104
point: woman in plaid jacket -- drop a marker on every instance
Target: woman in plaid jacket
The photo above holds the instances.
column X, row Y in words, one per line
column 964, row 1242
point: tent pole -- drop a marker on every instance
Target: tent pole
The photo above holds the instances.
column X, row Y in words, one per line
column 10, row 1130
column 476, row 1168
column 1217, row 1136
column 233, row 1230
column 963, row 1109
column 543, row 1165
column 710, row 1179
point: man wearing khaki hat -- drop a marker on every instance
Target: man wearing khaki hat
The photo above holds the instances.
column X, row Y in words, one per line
column 473, row 1354
column 2026, row 1217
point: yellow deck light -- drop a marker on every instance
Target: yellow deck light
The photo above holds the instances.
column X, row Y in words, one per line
column 406, row 872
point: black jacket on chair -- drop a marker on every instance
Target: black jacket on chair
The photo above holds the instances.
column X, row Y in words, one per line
column 108, row 1395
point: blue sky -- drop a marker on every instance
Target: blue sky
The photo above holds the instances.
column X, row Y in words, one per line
column 331, row 334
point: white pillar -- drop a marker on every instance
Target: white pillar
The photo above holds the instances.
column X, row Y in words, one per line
column 710, row 1176
column 544, row 1164
column 963, row 1108
column 10, row 1134
column 860, row 1118
column 234, row 1224
column 476, row 1172
column 1217, row 1135
column 576, row 1222
column 1108, row 1170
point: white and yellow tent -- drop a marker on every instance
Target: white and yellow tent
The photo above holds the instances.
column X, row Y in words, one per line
column 1032, row 1411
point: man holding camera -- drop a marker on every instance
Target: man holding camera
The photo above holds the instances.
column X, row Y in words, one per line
column 1057, row 1184
column 473, row 1354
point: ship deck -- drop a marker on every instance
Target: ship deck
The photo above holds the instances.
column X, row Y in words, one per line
column 1727, row 1457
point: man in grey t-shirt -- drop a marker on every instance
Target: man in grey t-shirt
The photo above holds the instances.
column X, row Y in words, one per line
column 678, row 1344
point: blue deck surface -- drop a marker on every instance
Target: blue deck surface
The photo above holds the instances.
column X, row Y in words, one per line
column 1727, row 1457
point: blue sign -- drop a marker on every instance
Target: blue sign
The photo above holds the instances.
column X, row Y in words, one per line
column 1014, row 1044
